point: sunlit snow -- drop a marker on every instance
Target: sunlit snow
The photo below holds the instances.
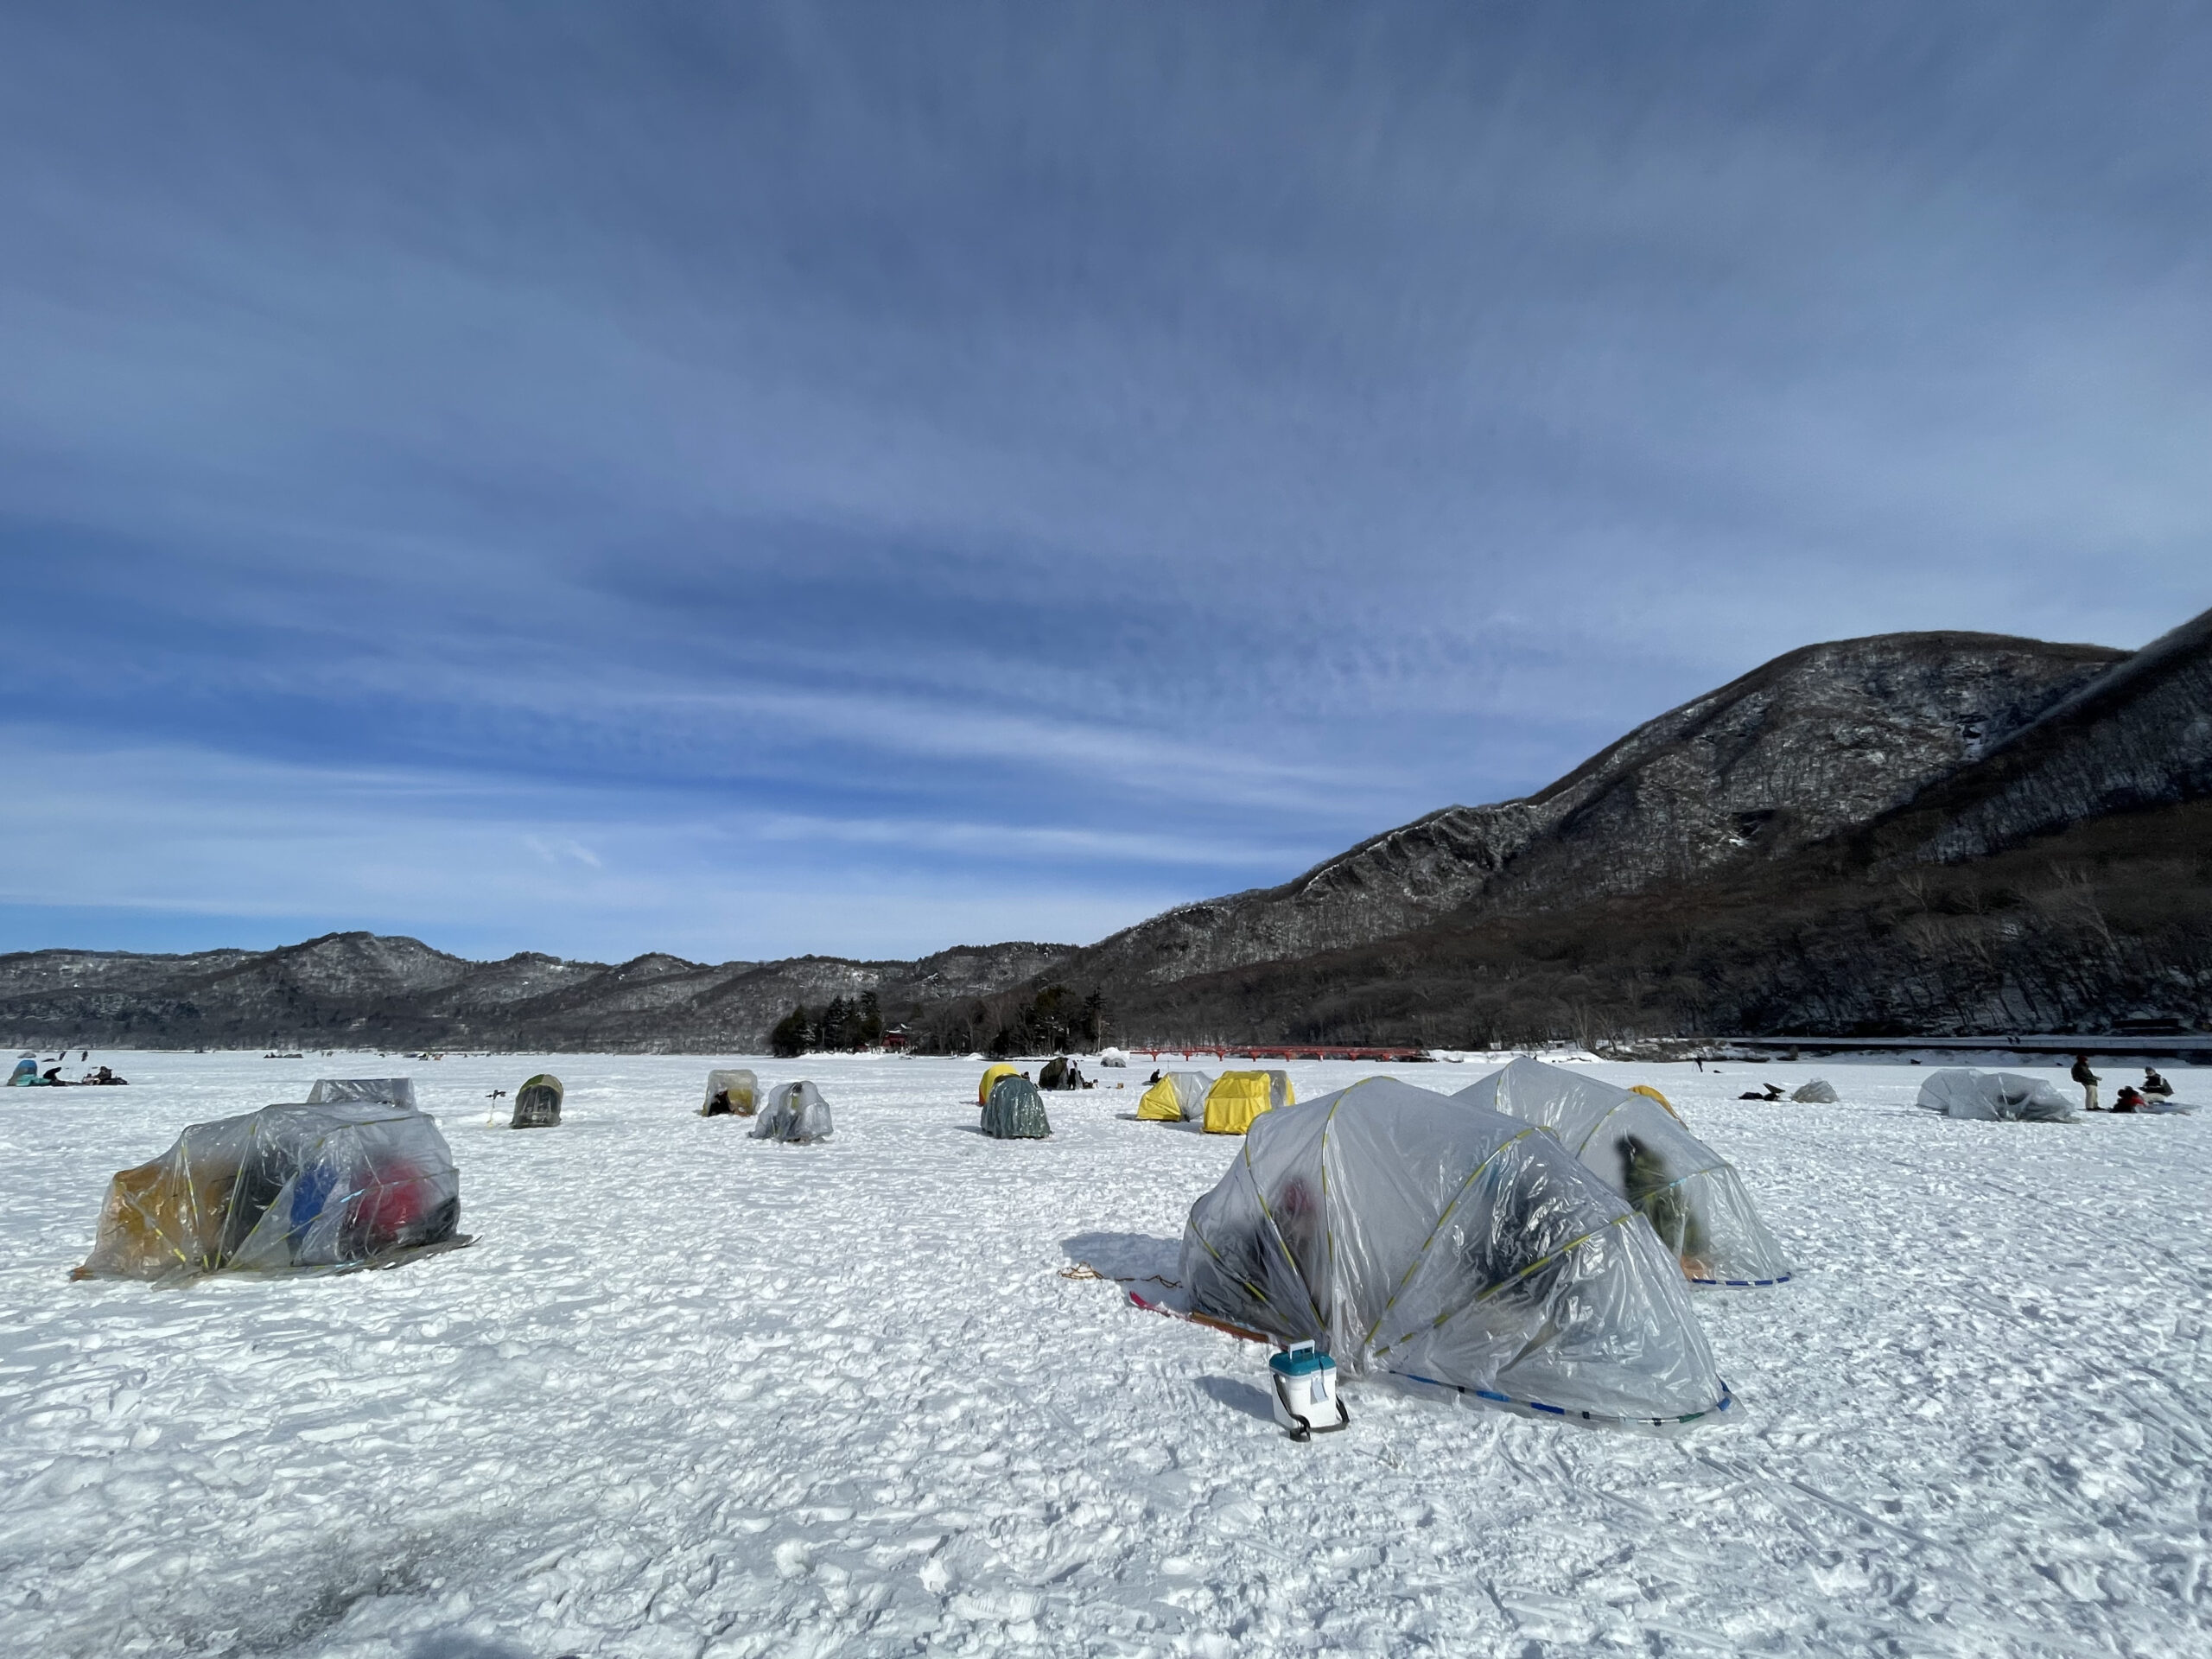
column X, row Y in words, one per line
column 692, row 1394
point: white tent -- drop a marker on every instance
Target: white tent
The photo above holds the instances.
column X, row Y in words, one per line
column 1409, row 1234
column 1693, row 1198
column 795, row 1112
column 2000, row 1097
column 395, row 1091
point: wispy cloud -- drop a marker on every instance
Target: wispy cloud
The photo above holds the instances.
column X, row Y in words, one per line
column 1030, row 464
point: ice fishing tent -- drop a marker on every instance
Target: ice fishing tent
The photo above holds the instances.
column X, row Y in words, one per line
column 1114, row 1056
column 1015, row 1111
column 2000, row 1097
column 1414, row 1234
column 1649, row 1093
column 1238, row 1097
column 537, row 1103
column 334, row 1184
column 1178, row 1097
column 1819, row 1092
column 25, row 1076
column 991, row 1075
column 1693, row 1196
column 794, row 1112
column 735, row 1092
column 393, row 1091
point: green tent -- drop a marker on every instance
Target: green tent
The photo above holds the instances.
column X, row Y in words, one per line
column 1015, row 1111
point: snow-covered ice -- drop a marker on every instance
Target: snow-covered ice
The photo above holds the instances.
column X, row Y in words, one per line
column 694, row 1394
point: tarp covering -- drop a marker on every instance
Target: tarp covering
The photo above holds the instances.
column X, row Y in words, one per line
column 283, row 1188
column 1405, row 1232
column 393, row 1091
column 1693, row 1198
column 991, row 1075
column 733, row 1092
column 537, row 1103
column 2000, row 1097
column 1819, row 1092
column 1236, row 1098
column 794, row 1112
column 1178, row 1095
column 1015, row 1111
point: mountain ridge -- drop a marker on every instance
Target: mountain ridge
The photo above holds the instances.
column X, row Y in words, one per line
column 1811, row 790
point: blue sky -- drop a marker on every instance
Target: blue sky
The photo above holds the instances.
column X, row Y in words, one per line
column 745, row 480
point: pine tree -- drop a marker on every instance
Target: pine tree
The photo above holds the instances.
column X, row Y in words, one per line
column 790, row 1038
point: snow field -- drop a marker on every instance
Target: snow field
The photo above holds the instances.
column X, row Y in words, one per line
column 693, row 1394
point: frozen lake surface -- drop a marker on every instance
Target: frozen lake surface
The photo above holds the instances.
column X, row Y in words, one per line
column 694, row 1394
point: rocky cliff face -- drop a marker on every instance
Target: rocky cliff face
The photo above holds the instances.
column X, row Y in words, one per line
column 2137, row 736
column 1814, row 742
column 1935, row 834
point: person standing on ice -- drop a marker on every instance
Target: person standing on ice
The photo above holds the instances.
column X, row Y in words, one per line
column 2088, row 1081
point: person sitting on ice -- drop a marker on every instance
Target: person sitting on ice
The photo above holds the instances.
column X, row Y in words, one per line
column 2156, row 1086
column 2129, row 1099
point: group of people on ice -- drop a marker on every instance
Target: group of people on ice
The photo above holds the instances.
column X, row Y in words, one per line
column 2130, row 1097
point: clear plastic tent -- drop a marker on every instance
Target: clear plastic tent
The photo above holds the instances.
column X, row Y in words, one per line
column 340, row 1183
column 731, row 1092
column 1177, row 1097
column 393, row 1091
column 1015, row 1111
column 795, row 1112
column 1114, row 1056
column 1410, row 1234
column 1819, row 1092
column 1695, row 1201
column 1237, row 1098
column 1998, row 1096
column 537, row 1103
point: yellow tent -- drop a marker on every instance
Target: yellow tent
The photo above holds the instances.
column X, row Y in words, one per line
column 1177, row 1096
column 1237, row 1098
column 1646, row 1089
column 991, row 1075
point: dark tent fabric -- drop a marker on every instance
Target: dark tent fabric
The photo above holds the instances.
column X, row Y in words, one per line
column 1015, row 1111
column 537, row 1103
column 284, row 1188
column 1409, row 1234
